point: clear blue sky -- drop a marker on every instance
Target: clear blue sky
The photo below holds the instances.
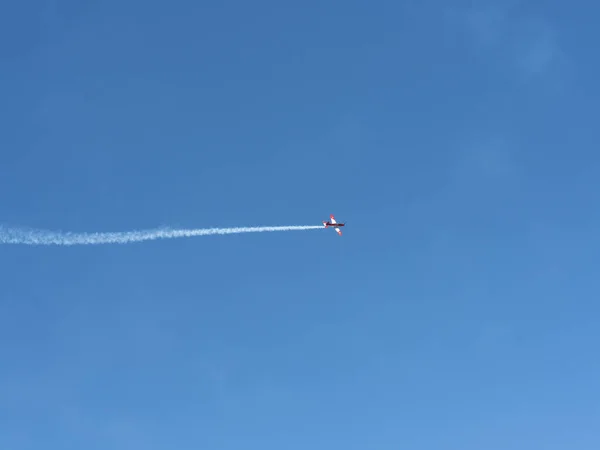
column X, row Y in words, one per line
column 458, row 311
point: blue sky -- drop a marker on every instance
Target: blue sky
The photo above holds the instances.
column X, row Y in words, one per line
column 459, row 142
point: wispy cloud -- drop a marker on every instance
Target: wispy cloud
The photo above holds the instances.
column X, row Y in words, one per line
column 525, row 43
column 488, row 163
column 539, row 50
column 486, row 24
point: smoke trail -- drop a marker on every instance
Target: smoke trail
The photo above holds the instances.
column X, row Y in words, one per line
column 43, row 237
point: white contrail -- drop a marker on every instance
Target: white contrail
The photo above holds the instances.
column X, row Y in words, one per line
column 43, row 237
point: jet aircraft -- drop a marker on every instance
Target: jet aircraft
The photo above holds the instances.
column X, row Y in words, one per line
column 332, row 223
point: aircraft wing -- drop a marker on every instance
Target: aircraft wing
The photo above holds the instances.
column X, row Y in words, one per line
column 332, row 219
column 338, row 231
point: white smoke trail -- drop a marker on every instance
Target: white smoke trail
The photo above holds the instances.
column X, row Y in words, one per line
column 43, row 237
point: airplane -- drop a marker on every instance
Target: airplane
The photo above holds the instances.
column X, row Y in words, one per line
column 333, row 223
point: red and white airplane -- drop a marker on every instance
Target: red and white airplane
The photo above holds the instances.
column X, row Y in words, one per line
column 334, row 224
